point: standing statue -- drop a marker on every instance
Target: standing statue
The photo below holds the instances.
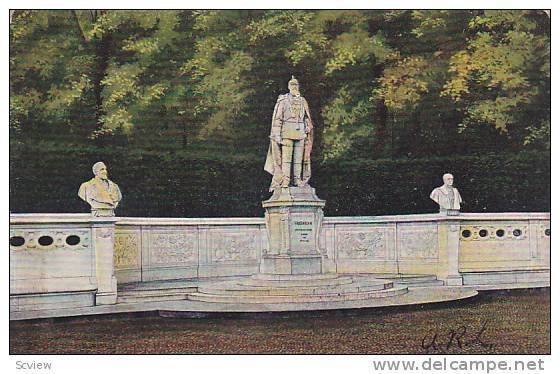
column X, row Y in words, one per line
column 291, row 140
column 447, row 196
column 100, row 193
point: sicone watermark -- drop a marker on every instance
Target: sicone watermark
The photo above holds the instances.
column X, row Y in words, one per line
column 33, row 365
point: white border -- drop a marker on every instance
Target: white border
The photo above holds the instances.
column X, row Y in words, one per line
column 247, row 364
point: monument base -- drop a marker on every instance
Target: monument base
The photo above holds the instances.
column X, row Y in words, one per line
column 291, row 264
column 453, row 281
column 293, row 220
column 106, row 298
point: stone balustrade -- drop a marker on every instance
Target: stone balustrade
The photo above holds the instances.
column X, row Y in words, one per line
column 472, row 248
column 171, row 248
column 75, row 259
column 61, row 260
column 148, row 249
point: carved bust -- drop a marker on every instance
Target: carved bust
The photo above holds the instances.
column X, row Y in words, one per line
column 447, row 196
column 100, row 193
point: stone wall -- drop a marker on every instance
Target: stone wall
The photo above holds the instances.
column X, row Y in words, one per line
column 520, row 241
column 74, row 258
column 389, row 244
column 510, row 249
column 61, row 260
column 158, row 248
column 148, row 249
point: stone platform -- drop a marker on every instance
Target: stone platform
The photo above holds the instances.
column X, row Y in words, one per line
column 158, row 262
column 273, row 289
column 175, row 297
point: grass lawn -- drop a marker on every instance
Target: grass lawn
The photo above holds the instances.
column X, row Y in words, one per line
column 505, row 322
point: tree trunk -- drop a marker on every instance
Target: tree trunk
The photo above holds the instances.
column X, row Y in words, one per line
column 381, row 117
column 103, row 53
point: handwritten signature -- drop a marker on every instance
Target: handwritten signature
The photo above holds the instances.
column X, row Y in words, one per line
column 460, row 338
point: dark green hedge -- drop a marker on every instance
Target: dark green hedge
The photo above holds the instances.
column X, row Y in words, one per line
column 185, row 185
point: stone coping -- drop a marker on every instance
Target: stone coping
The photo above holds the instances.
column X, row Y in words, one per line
column 137, row 221
column 54, row 218
column 438, row 217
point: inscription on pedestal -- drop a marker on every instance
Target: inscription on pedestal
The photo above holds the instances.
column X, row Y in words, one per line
column 302, row 232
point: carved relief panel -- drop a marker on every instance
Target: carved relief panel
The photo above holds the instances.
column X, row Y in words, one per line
column 127, row 250
column 418, row 242
column 366, row 243
column 233, row 245
column 173, row 247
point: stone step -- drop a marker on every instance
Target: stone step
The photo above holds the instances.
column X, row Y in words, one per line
column 141, row 296
column 157, row 285
column 275, row 299
column 430, row 283
column 294, row 277
column 415, row 278
column 157, row 291
column 401, row 278
column 411, row 280
column 505, row 277
column 298, row 282
column 370, row 286
column 149, row 299
column 243, row 289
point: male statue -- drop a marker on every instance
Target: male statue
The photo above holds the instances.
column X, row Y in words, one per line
column 447, row 196
column 291, row 140
column 100, row 193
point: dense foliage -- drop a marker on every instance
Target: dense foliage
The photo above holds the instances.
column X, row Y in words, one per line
column 178, row 103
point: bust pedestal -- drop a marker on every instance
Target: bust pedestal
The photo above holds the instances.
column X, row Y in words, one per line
column 449, row 212
column 293, row 218
column 102, row 212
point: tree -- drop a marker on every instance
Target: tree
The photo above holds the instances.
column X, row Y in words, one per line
column 112, row 67
column 502, row 77
column 379, row 83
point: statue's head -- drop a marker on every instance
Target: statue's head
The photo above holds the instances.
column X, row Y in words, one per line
column 293, row 86
column 100, row 170
column 448, row 179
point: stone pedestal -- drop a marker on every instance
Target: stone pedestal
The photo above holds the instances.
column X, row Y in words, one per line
column 102, row 212
column 448, row 266
column 449, row 212
column 293, row 220
column 103, row 243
